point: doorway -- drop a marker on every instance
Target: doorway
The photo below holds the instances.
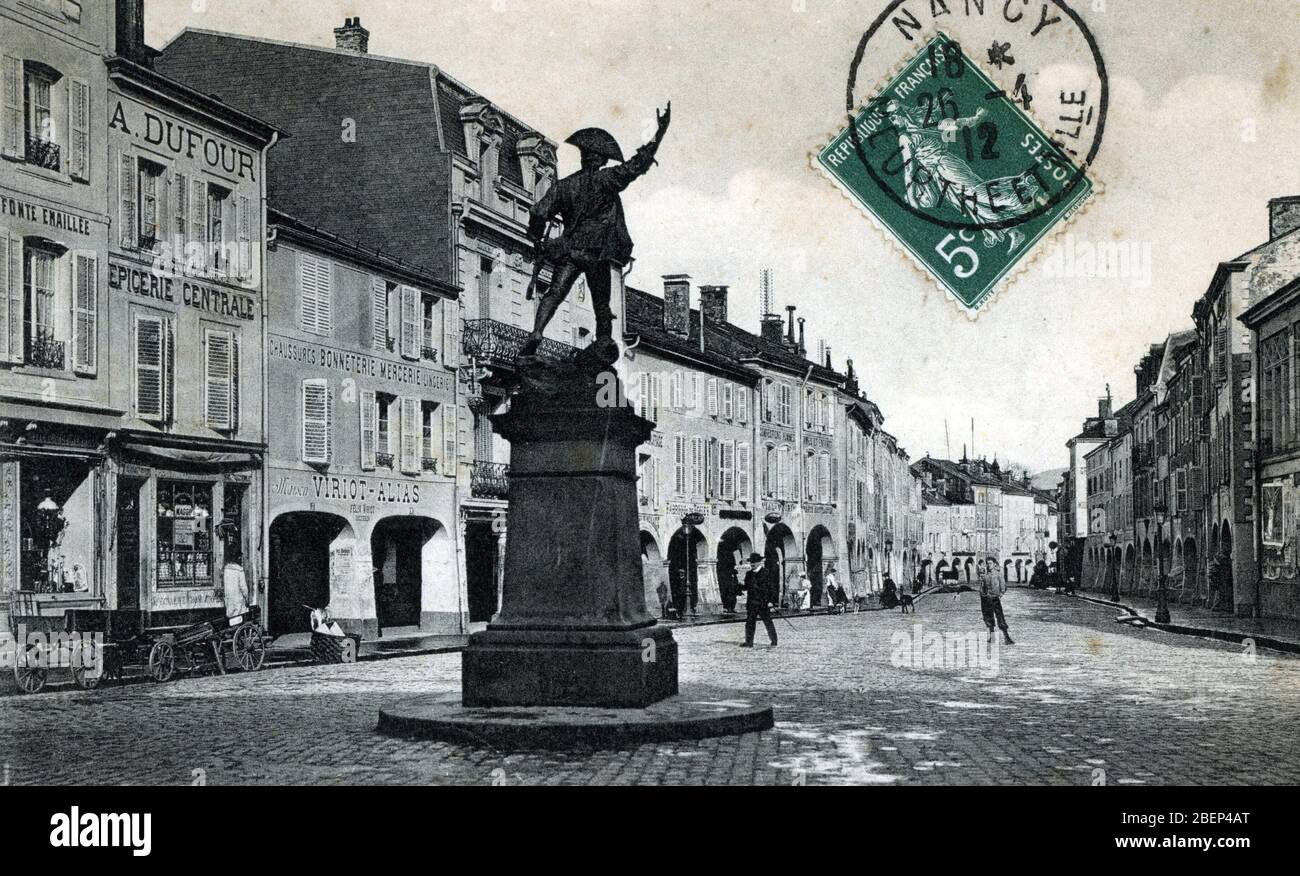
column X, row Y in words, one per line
column 481, row 570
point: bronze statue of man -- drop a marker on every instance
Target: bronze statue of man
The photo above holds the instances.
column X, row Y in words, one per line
column 595, row 238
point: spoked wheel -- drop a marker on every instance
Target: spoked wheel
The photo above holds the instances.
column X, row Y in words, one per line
column 31, row 676
column 162, row 662
column 248, row 648
column 85, row 681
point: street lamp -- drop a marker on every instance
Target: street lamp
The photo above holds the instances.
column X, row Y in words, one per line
column 1162, row 596
column 1112, row 568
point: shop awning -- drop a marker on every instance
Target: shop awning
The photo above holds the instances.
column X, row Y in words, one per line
column 152, row 454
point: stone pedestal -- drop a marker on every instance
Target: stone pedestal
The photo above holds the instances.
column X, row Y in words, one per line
column 573, row 629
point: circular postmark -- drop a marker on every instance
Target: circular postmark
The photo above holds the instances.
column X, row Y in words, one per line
column 935, row 139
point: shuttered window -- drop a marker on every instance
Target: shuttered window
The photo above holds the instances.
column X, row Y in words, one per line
column 221, row 379
column 412, row 436
column 727, row 470
column 127, row 195
column 244, row 235
column 676, row 390
column 180, row 216
column 713, row 396
column 316, row 292
column 410, row 322
column 697, row 466
column 729, row 400
column 379, row 313
column 152, row 361
column 450, row 425
column 369, row 416
column 742, row 404
column 785, row 414
column 744, row 462
column 680, row 484
column 451, row 332
column 317, row 410
column 11, row 297
column 824, row 478
column 79, row 130
column 12, row 143
column 196, row 246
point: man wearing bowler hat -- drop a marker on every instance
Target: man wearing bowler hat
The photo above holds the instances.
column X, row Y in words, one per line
column 595, row 238
column 757, row 595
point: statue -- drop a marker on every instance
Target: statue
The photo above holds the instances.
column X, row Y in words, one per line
column 595, row 238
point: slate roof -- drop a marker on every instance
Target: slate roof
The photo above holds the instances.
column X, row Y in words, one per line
column 725, row 345
column 390, row 190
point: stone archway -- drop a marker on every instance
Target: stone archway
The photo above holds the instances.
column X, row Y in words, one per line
column 312, row 563
column 820, row 550
column 734, row 549
column 779, row 551
column 652, row 573
column 415, row 576
column 685, row 553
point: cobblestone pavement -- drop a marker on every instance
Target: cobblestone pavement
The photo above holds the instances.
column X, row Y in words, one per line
column 1078, row 700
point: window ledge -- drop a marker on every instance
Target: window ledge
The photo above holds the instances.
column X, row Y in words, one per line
column 52, row 373
column 53, row 176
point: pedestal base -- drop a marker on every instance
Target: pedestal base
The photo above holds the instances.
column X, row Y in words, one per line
column 695, row 713
column 616, row 669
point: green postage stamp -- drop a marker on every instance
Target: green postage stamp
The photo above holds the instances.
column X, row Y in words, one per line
column 957, row 170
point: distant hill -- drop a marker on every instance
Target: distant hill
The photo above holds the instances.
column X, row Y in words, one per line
column 1048, row 480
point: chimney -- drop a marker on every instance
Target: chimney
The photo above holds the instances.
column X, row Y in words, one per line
column 803, row 351
column 1103, row 408
column 772, row 329
column 713, row 303
column 677, row 304
column 130, row 31
column 829, row 367
column 352, row 37
column 789, row 335
column 1283, row 216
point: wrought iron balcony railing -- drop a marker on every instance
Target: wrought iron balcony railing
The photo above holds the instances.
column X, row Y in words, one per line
column 43, row 153
column 497, row 344
column 384, row 460
column 429, row 464
column 428, row 354
column 45, row 352
column 489, row 480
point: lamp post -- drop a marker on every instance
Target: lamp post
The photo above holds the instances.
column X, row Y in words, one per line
column 689, row 522
column 1113, row 568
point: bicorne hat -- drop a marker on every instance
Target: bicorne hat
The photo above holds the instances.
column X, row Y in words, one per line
column 597, row 141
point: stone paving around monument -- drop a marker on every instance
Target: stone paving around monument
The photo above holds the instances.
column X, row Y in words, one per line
column 1078, row 700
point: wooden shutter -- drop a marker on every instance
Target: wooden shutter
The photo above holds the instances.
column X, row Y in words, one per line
column 676, row 390
column 85, row 304
column 643, row 394
column 244, row 234
column 79, row 130
column 12, row 134
column 727, row 469
column 369, row 411
column 451, row 332
column 1221, row 351
column 234, row 382
column 180, row 216
column 412, row 435
column 315, row 279
column 450, row 425
column 744, row 462
column 742, row 403
column 656, row 391
column 198, row 237
column 379, row 313
column 218, row 367
column 697, row 466
column 824, row 478
column 11, row 297
column 713, row 396
column 128, row 181
column 728, row 400
column 316, row 421
column 150, row 362
column 410, row 328
column 679, row 464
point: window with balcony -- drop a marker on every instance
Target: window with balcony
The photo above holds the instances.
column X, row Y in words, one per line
column 149, row 188
column 45, row 335
column 428, row 328
column 383, row 430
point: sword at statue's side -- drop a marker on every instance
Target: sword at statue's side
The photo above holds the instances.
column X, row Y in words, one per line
column 539, row 260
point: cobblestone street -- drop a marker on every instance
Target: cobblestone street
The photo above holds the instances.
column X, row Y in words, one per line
column 1078, row 700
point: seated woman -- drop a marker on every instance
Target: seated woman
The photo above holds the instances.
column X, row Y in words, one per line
column 801, row 598
column 836, row 599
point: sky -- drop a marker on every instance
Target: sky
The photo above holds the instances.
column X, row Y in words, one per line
column 1203, row 128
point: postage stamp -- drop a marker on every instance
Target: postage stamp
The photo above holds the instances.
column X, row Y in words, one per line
column 958, row 169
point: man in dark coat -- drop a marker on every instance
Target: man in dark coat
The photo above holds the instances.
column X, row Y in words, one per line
column 595, row 239
column 758, row 593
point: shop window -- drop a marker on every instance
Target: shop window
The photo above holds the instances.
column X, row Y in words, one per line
column 232, row 514
column 184, row 534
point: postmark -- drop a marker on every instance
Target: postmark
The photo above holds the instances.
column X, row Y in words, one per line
column 970, row 157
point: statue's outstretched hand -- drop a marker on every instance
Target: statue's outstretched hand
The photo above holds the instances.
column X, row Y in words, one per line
column 664, row 118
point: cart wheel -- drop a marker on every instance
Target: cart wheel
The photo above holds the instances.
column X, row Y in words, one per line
column 162, row 662
column 30, row 679
column 248, row 647
column 84, row 681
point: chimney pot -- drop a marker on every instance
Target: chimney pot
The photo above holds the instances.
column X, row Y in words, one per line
column 130, row 31
column 352, row 37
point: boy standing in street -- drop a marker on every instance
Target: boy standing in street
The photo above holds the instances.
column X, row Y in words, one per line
column 992, row 586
